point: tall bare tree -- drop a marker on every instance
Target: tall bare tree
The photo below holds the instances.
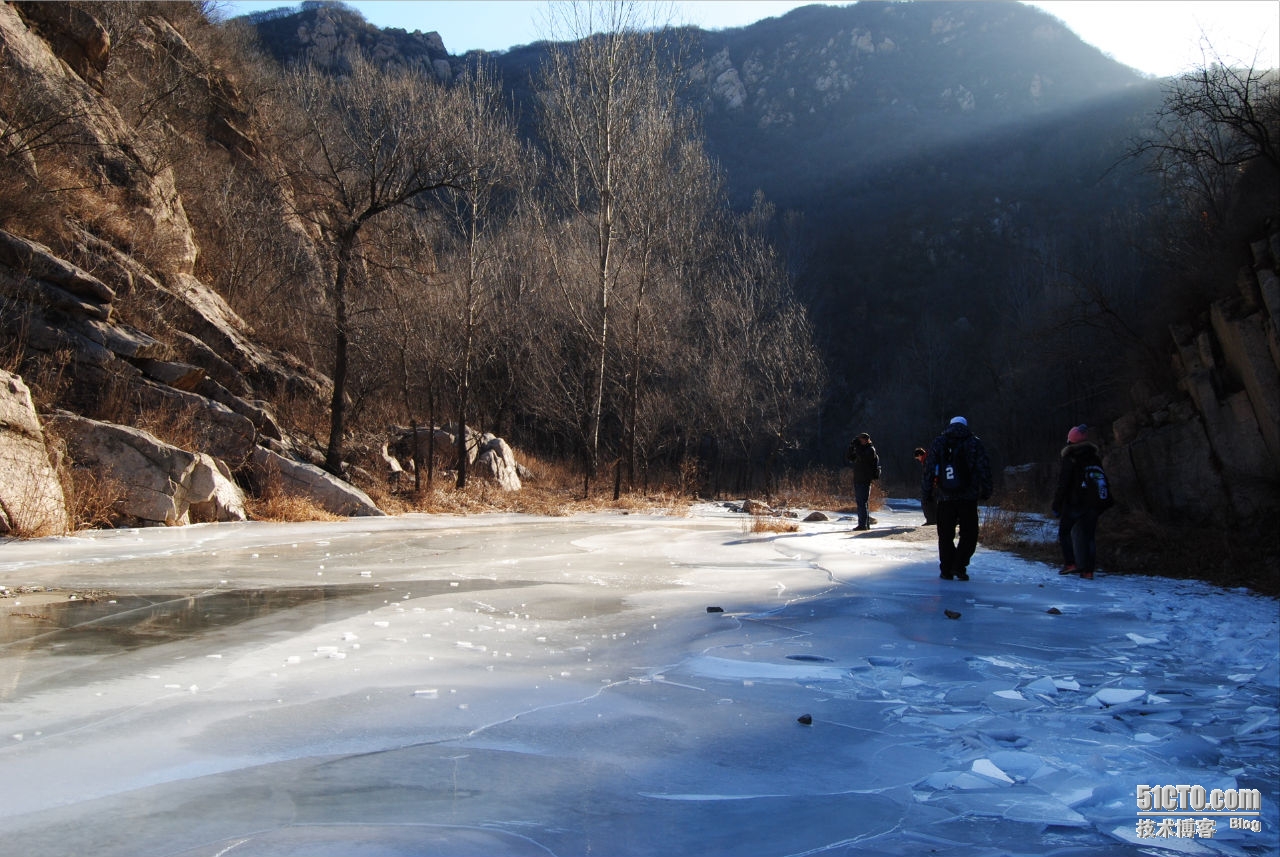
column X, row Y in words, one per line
column 492, row 160
column 363, row 143
column 1215, row 120
column 598, row 89
column 670, row 231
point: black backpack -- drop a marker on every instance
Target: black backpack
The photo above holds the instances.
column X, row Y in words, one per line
column 952, row 468
column 1094, row 489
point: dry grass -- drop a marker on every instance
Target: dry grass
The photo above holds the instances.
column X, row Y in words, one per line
column 91, row 498
column 280, row 508
column 766, row 524
column 824, row 489
column 175, row 427
column 27, row 511
column 1133, row 542
column 999, row 528
column 820, row 488
column 551, row 489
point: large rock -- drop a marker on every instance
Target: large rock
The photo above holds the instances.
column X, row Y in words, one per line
column 488, row 456
column 1210, row 454
column 223, row 499
column 74, row 35
column 31, row 499
column 153, row 483
column 496, row 461
column 296, row 478
column 154, row 223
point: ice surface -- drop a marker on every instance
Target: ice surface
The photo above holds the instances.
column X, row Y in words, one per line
column 499, row 684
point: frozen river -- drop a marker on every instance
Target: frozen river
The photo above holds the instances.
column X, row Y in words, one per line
column 616, row 685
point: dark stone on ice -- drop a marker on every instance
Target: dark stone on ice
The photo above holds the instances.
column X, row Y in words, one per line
column 951, row 614
column 1054, row 610
column 715, row 609
column 805, row 719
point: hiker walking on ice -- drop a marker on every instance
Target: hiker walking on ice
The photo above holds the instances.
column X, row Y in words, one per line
column 866, row 469
column 1081, row 497
column 958, row 467
column 929, row 502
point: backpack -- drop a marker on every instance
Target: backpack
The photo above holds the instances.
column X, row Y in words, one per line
column 952, row 468
column 1094, row 489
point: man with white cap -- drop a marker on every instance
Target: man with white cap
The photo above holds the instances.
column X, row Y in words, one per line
column 958, row 466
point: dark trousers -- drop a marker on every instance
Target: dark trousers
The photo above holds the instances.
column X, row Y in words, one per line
column 1077, row 536
column 953, row 557
column 929, row 505
column 862, row 495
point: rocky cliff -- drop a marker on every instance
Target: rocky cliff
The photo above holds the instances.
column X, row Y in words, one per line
column 108, row 320
column 1209, row 454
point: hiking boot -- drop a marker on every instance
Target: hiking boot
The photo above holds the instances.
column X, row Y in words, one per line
column 962, row 575
column 1070, row 569
column 1086, row 575
column 946, row 576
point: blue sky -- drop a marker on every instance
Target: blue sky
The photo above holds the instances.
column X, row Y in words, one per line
column 1160, row 37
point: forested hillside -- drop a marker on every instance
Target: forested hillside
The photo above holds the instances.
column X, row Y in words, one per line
column 649, row 253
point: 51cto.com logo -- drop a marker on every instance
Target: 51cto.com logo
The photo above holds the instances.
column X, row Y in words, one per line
column 1186, row 811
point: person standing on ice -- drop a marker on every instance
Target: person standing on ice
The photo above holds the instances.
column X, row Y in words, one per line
column 1077, row 506
column 866, row 469
column 929, row 502
column 958, row 468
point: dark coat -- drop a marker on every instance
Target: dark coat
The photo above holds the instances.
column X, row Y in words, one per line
column 865, row 461
column 970, row 448
column 1075, row 458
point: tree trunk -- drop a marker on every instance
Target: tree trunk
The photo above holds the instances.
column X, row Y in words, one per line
column 338, row 402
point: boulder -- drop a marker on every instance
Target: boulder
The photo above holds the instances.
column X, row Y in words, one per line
column 77, row 38
column 155, row 483
column 296, row 478
column 31, row 498
column 223, row 499
column 496, row 461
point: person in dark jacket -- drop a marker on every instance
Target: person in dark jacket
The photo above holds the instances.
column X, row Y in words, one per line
column 957, row 464
column 929, row 502
column 1077, row 514
column 866, row 469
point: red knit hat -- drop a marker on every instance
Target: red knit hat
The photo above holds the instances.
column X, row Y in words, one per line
column 1078, row 434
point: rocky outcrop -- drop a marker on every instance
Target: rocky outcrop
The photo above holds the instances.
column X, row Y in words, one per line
column 152, row 221
column 31, row 498
column 114, row 316
column 154, row 483
column 497, row 462
column 275, row 472
column 488, row 456
column 75, row 36
column 223, row 499
column 1211, row 454
column 63, row 316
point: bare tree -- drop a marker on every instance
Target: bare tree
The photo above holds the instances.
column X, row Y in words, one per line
column 1214, row 121
column 597, row 92
column 670, row 231
column 492, row 159
column 361, row 144
column 759, row 363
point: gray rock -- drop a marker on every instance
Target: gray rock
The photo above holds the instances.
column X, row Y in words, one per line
column 496, row 461
column 31, row 498
column 327, row 491
column 153, row 479
column 213, row 494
